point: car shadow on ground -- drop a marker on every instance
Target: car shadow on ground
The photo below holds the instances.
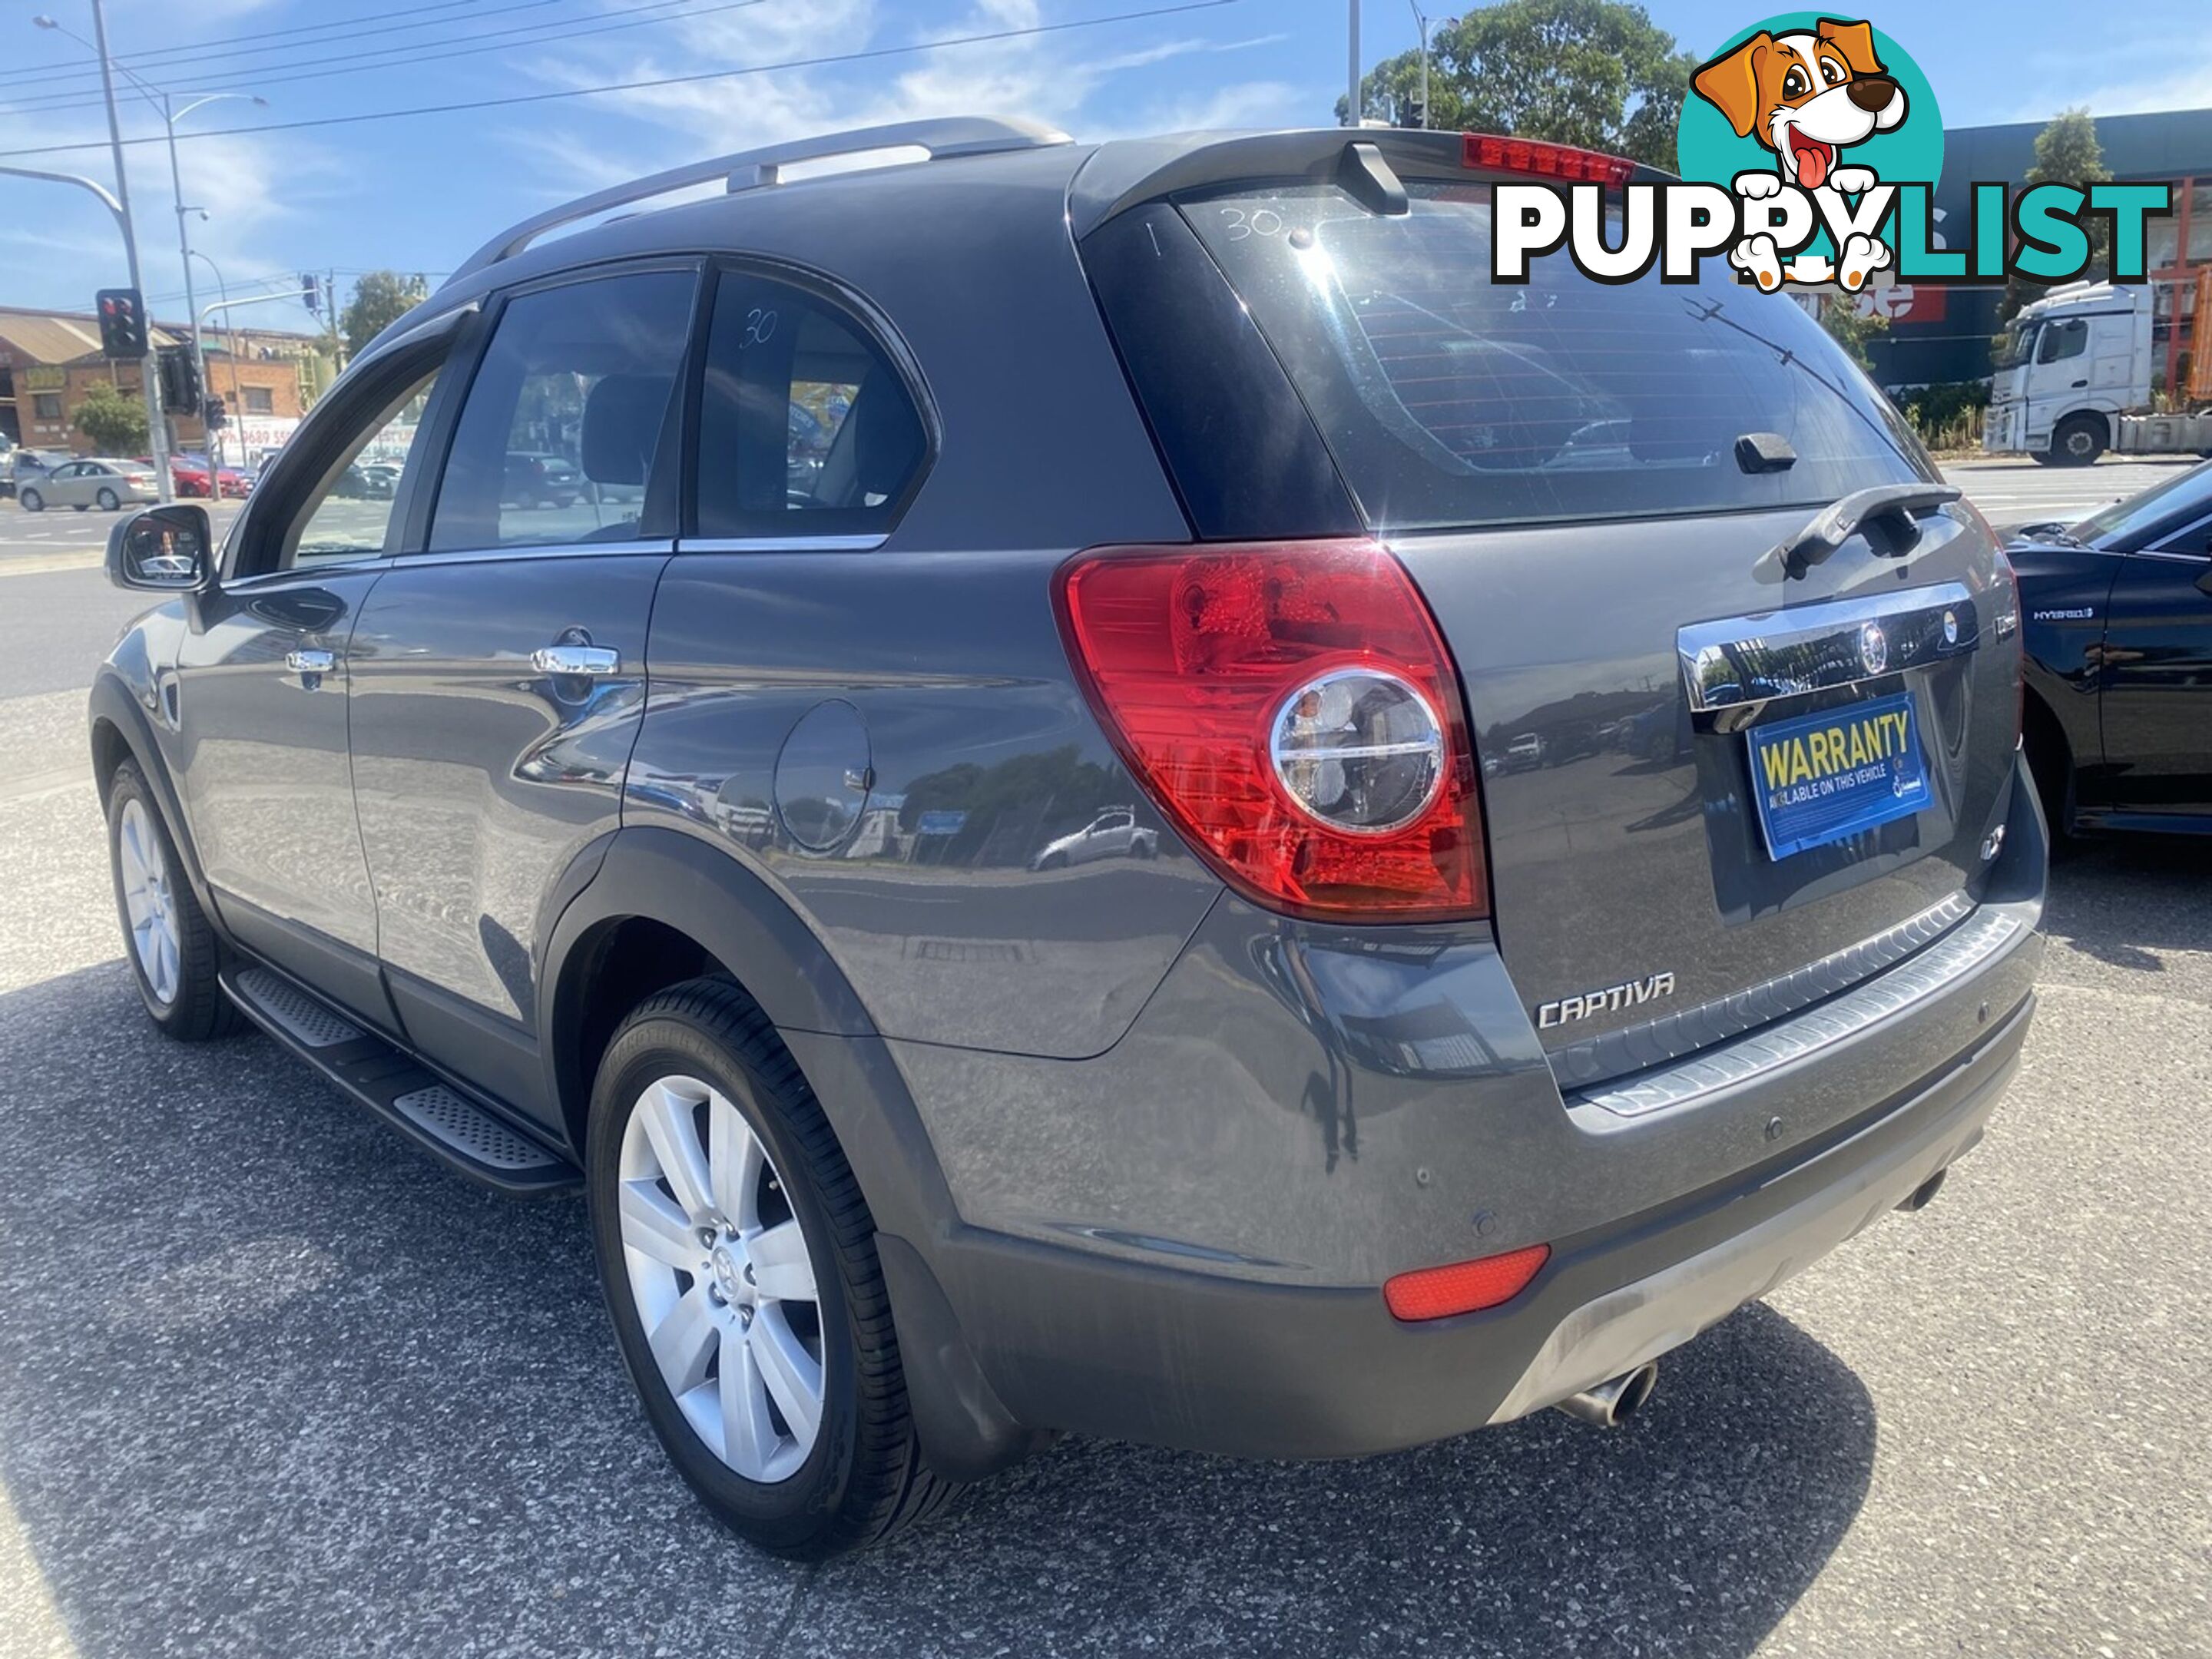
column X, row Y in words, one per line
column 271, row 1381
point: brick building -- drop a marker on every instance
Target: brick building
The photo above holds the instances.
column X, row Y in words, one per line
column 50, row 359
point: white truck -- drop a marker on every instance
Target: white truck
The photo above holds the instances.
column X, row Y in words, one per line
column 2073, row 380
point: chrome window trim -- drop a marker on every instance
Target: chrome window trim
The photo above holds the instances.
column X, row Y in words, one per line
column 2170, row 558
column 1951, row 958
column 1825, row 633
column 663, row 545
column 867, row 543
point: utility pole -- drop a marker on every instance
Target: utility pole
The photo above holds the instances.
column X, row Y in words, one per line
column 157, row 431
column 1352, row 97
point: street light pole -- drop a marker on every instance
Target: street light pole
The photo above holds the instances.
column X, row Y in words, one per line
column 169, row 120
column 1352, row 97
column 156, row 429
column 1421, row 18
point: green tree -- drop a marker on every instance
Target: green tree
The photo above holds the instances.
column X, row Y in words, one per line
column 380, row 298
column 116, row 424
column 1852, row 328
column 1595, row 73
column 2066, row 153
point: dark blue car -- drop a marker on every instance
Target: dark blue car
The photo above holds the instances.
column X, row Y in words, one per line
column 2118, row 615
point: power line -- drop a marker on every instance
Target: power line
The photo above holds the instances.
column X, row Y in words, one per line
column 398, row 56
column 380, row 20
column 641, row 86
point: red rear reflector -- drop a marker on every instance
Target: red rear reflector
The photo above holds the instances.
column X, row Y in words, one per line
column 1464, row 1287
column 1561, row 161
column 1189, row 655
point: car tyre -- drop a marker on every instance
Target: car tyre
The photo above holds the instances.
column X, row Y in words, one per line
column 174, row 956
column 702, row 1128
column 109, row 501
column 2077, row 440
column 31, row 502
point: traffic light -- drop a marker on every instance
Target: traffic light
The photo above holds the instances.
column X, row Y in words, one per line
column 213, row 415
column 311, row 292
column 122, row 322
column 180, row 372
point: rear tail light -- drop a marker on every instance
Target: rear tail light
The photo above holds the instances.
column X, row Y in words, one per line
column 1464, row 1287
column 1292, row 710
column 1561, row 161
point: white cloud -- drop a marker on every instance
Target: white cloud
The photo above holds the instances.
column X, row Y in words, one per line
column 254, row 191
column 1059, row 77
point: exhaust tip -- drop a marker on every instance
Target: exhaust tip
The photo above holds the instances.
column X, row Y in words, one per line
column 1612, row 1403
column 1925, row 1194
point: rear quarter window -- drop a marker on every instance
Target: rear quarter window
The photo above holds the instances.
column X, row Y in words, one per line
column 1448, row 400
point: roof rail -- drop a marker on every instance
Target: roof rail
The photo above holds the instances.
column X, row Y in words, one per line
column 956, row 134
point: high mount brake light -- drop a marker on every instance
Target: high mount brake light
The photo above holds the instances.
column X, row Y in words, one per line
column 1464, row 1287
column 1561, row 161
column 1292, row 710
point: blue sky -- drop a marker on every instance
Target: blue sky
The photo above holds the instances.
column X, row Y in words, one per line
column 419, row 193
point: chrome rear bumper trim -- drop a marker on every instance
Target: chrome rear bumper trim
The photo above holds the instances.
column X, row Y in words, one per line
column 1596, row 1061
column 1957, row 954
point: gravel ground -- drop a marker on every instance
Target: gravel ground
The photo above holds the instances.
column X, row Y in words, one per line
column 271, row 1382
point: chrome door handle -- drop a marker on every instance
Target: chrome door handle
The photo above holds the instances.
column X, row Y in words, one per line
column 590, row 659
column 311, row 662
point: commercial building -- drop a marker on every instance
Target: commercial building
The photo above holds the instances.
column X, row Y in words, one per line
column 1939, row 333
column 49, row 360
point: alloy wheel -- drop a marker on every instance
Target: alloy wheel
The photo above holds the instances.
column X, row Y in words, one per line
column 149, row 902
column 721, row 1277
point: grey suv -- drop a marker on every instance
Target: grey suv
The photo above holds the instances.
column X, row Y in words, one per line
column 1577, row 867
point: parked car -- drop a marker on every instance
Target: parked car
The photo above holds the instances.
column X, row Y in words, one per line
column 1113, row 834
column 189, row 476
column 535, row 480
column 94, row 481
column 26, row 466
column 2117, row 610
column 1397, row 1096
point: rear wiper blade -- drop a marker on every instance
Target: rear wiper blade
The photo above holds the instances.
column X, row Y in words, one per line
column 1834, row 525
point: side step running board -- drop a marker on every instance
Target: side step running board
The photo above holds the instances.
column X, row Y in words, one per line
column 398, row 1090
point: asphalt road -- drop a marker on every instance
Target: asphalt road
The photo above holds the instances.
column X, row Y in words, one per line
column 271, row 1382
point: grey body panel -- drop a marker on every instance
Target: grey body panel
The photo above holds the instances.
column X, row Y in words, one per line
column 479, row 780
column 259, row 751
column 959, row 703
column 1633, row 849
column 1274, row 1110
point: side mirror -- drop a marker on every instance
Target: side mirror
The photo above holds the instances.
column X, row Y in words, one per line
column 164, row 549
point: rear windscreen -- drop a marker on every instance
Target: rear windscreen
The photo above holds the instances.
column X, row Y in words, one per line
column 1446, row 399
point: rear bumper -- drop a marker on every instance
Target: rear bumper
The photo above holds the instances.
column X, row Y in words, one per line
column 1075, row 1340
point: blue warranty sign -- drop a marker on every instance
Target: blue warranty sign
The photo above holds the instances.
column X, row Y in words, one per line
column 1820, row 778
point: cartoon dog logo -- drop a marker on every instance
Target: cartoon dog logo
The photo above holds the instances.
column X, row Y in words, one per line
column 1807, row 96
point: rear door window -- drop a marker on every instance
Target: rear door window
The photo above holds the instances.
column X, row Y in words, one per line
column 1447, row 400
column 805, row 428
